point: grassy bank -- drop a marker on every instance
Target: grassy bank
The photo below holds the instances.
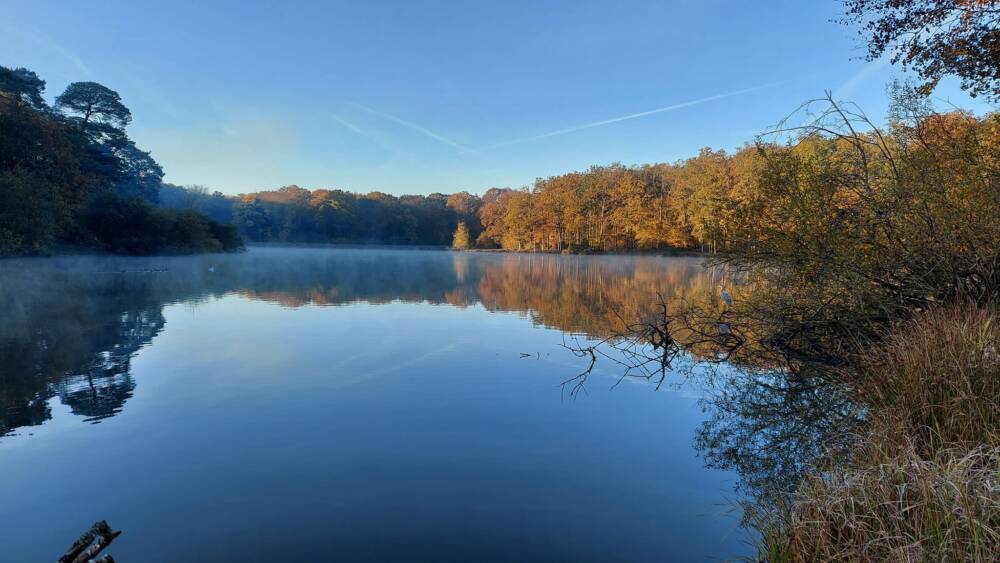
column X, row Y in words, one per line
column 921, row 480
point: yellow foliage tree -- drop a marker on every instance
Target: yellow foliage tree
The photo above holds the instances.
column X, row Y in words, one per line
column 460, row 241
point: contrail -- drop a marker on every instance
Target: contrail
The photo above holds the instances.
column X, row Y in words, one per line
column 415, row 127
column 864, row 73
column 351, row 126
column 633, row 115
column 366, row 134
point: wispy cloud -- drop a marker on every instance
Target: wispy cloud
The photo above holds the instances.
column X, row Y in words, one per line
column 867, row 71
column 419, row 128
column 46, row 42
column 609, row 121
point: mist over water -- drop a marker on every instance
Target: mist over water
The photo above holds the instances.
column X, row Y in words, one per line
column 305, row 404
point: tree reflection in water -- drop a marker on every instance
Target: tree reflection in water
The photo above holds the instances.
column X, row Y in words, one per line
column 769, row 426
column 71, row 327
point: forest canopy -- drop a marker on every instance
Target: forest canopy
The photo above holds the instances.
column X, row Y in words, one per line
column 70, row 176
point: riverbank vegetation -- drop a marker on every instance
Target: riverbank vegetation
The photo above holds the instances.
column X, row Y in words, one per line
column 860, row 275
column 869, row 263
column 919, row 482
column 872, row 268
column 71, row 177
column 860, row 311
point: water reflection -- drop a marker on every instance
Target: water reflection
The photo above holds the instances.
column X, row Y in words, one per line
column 72, row 325
column 70, row 337
column 768, row 426
column 71, row 329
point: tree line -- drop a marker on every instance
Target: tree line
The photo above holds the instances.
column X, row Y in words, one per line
column 715, row 201
column 71, row 176
column 295, row 214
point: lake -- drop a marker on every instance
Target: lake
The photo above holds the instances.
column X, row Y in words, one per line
column 319, row 404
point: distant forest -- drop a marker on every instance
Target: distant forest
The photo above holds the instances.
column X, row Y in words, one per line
column 294, row 214
column 712, row 202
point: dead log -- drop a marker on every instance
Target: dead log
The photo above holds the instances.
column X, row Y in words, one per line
column 90, row 544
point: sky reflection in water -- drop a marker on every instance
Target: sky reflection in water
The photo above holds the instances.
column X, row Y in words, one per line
column 320, row 404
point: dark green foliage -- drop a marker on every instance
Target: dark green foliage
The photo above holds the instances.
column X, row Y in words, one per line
column 42, row 183
column 90, row 102
column 77, row 179
column 27, row 214
column 138, row 174
column 125, row 225
column 24, row 86
column 254, row 220
column 227, row 235
column 132, row 225
column 187, row 230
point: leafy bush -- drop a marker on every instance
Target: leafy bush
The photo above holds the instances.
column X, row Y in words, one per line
column 27, row 223
column 134, row 226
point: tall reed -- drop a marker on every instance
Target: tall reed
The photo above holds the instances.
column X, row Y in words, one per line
column 921, row 481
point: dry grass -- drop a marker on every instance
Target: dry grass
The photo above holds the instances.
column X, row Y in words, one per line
column 922, row 483
column 936, row 378
column 892, row 508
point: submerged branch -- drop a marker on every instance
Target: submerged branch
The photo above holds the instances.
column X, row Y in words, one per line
column 90, row 544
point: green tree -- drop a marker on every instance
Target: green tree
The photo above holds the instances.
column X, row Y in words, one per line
column 139, row 174
column 78, row 179
column 254, row 220
column 23, row 85
column 94, row 103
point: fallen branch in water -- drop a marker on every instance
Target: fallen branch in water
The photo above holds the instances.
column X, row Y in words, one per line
column 91, row 544
column 647, row 348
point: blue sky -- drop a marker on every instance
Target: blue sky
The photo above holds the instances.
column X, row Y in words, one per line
column 418, row 97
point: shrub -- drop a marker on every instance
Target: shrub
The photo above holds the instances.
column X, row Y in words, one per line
column 27, row 214
column 125, row 225
column 227, row 235
column 134, row 226
column 921, row 482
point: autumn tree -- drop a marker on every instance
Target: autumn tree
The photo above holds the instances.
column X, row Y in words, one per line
column 709, row 181
column 491, row 216
column 935, row 38
column 460, row 241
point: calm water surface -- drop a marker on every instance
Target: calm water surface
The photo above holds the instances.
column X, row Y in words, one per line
column 351, row 405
